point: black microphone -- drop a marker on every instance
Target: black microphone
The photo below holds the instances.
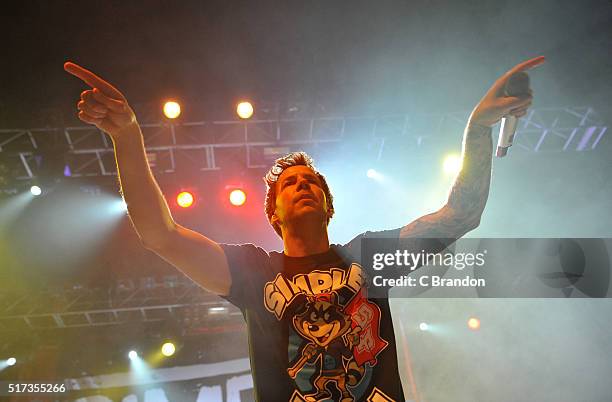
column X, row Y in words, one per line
column 517, row 85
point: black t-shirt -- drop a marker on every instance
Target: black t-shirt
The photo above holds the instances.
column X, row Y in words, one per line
column 313, row 333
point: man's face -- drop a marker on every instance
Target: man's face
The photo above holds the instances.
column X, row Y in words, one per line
column 299, row 195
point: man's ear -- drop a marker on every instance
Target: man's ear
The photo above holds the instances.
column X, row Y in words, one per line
column 276, row 223
column 329, row 214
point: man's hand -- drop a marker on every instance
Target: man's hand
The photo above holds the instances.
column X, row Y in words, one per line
column 103, row 105
column 495, row 105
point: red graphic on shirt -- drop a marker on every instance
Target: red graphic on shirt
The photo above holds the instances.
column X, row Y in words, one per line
column 366, row 315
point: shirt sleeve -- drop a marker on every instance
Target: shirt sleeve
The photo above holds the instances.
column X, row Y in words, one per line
column 353, row 248
column 247, row 264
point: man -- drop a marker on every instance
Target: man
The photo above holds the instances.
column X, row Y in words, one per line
column 314, row 335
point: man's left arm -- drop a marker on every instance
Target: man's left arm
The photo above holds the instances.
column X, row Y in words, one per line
column 469, row 193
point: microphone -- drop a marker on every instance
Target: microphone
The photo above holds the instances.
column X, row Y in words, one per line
column 517, row 85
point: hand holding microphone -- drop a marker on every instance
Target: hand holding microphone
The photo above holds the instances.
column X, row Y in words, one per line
column 517, row 86
column 509, row 97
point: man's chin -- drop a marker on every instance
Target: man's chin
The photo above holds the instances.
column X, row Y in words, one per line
column 309, row 212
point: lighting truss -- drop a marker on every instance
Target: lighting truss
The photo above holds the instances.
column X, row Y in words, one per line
column 211, row 145
column 83, row 307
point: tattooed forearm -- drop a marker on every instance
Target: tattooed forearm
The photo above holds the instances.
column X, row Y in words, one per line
column 468, row 195
column 470, row 191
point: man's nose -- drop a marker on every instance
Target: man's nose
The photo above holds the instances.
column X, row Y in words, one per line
column 303, row 184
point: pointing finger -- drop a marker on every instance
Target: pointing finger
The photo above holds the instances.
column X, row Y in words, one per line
column 526, row 65
column 92, row 80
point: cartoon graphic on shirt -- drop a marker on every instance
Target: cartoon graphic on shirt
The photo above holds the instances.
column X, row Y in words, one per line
column 331, row 340
column 337, row 340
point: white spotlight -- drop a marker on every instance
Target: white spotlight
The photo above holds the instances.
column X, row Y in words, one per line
column 168, row 349
column 423, row 326
column 11, row 361
column 375, row 175
column 132, row 355
column 244, row 110
column 35, row 190
column 452, row 164
column 474, row 323
column 172, row 109
column 117, row 207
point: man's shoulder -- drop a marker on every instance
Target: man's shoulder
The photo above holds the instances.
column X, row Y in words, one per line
column 245, row 250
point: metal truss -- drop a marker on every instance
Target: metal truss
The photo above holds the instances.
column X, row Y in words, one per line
column 80, row 307
column 576, row 129
column 216, row 145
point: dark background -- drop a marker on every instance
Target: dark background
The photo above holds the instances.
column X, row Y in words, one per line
column 349, row 55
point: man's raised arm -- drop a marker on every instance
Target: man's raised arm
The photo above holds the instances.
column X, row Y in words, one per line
column 198, row 257
column 469, row 193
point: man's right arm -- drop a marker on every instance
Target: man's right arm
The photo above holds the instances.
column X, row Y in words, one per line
column 198, row 257
column 195, row 255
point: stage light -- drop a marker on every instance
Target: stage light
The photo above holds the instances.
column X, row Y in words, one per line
column 473, row 323
column 237, row 197
column 168, row 349
column 11, row 361
column 35, row 190
column 172, row 110
column 375, row 175
column 244, row 110
column 185, row 199
column 117, row 207
column 132, row 355
column 452, row 164
column 423, row 326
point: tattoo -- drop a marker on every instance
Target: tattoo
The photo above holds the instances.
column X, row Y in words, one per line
column 468, row 195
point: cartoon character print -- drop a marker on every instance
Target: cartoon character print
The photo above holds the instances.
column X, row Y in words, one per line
column 330, row 340
column 335, row 331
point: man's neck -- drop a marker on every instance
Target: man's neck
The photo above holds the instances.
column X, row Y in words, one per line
column 304, row 241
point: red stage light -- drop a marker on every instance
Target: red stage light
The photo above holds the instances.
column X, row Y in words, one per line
column 185, row 199
column 237, row 197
